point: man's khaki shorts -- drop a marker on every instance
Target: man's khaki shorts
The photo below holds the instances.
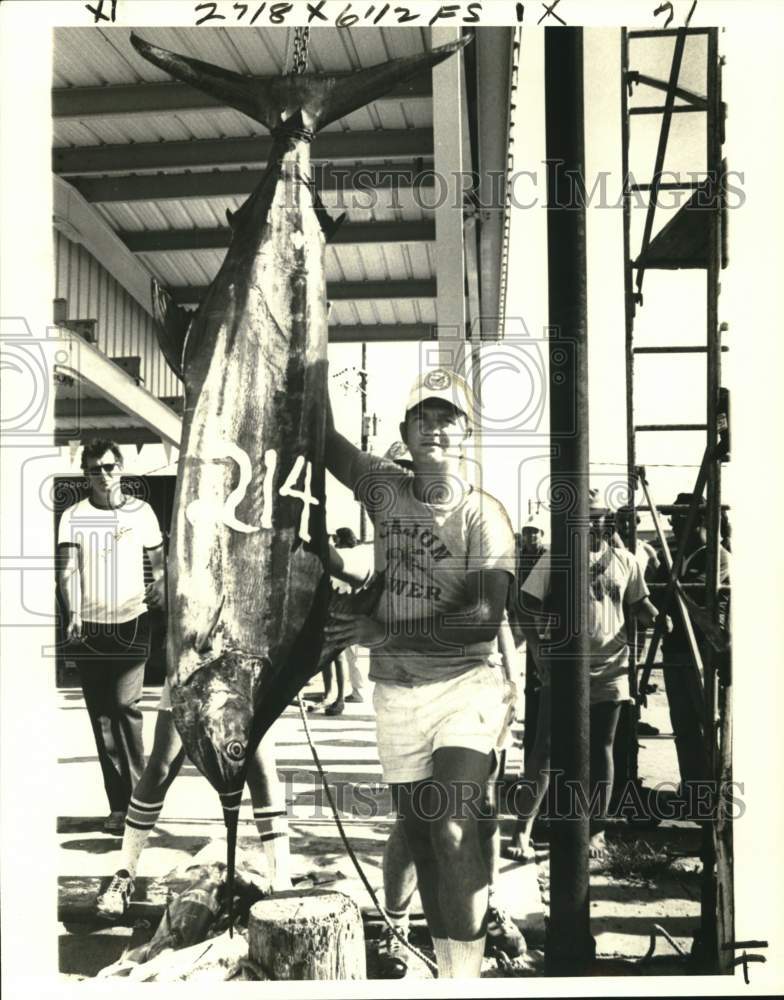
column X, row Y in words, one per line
column 471, row 711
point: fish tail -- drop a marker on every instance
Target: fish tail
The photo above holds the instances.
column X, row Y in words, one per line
column 271, row 102
column 354, row 90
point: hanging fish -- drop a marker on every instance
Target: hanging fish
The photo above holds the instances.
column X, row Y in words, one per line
column 248, row 588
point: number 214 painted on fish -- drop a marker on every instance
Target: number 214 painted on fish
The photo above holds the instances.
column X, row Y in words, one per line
column 208, row 511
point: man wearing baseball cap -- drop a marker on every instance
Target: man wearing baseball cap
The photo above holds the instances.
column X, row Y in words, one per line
column 447, row 551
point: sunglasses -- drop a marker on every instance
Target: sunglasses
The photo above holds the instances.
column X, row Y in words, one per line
column 107, row 467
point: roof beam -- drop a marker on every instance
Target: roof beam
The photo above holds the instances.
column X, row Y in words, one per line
column 379, row 333
column 81, row 223
column 164, row 98
column 494, row 73
column 85, row 362
column 386, row 144
column 240, row 183
column 356, row 234
column 356, row 291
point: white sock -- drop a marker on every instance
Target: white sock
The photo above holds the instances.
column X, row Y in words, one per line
column 273, row 827
column 441, row 946
column 465, row 957
column 139, row 822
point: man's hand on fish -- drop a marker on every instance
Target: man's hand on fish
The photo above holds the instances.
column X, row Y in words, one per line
column 351, row 630
column 155, row 594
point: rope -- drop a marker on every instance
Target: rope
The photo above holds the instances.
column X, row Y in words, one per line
column 350, row 851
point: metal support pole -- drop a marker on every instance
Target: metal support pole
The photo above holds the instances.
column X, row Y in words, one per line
column 363, row 443
column 626, row 738
column 570, row 949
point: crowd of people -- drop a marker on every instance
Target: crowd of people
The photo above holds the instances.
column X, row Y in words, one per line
column 462, row 594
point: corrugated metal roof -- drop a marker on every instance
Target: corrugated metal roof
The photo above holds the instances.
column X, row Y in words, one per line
column 93, row 56
column 149, row 216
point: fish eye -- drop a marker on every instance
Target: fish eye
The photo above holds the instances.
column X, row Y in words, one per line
column 234, row 750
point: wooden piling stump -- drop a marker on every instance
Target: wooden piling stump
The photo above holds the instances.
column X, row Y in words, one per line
column 307, row 935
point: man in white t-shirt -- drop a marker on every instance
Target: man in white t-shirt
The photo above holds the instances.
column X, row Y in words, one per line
column 101, row 542
column 616, row 587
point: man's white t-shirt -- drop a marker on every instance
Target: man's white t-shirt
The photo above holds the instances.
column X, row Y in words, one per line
column 623, row 583
column 426, row 551
column 111, row 544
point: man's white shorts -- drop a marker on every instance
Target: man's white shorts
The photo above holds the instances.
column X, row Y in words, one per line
column 470, row 711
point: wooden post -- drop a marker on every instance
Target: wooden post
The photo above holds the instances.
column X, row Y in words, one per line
column 307, row 935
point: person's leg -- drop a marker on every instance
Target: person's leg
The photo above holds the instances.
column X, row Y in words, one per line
column 459, row 779
column 129, row 725
column 502, row 933
column 338, row 705
column 326, row 676
column 144, row 809
column 531, row 710
column 414, row 803
column 529, row 794
column 96, row 685
column 400, row 882
column 603, row 723
column 400, row 878
column 148, row 796
column 116, row 675
column 269, row 812
column 355, row 676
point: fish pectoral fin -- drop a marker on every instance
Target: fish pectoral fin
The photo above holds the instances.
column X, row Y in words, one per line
column 171, row 326
column 203, row 642
column 329, row 226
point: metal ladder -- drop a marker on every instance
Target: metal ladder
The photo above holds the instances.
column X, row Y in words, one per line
column 693, row 238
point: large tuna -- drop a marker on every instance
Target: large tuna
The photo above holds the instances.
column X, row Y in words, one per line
column 248, row 590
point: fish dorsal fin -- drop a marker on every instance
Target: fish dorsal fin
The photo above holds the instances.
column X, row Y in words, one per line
column 320, row 98
column 171, row 327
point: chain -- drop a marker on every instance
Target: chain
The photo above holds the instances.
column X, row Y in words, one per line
column 299, row 60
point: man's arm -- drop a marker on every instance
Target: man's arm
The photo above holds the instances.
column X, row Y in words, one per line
column 70, row 582
column 644, row 611
column 478, row 621
column 339, row 452
column 353, row 566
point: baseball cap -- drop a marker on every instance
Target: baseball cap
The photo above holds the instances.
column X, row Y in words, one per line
column 439, row 383
column 535, row 523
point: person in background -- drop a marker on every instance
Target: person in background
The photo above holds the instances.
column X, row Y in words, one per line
column 101, row 544
column 648, row 559
column 726, row 531
column 617, row 588
column 346, row 539
column 680, row 679
column 531, row 547
column 644, row 553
